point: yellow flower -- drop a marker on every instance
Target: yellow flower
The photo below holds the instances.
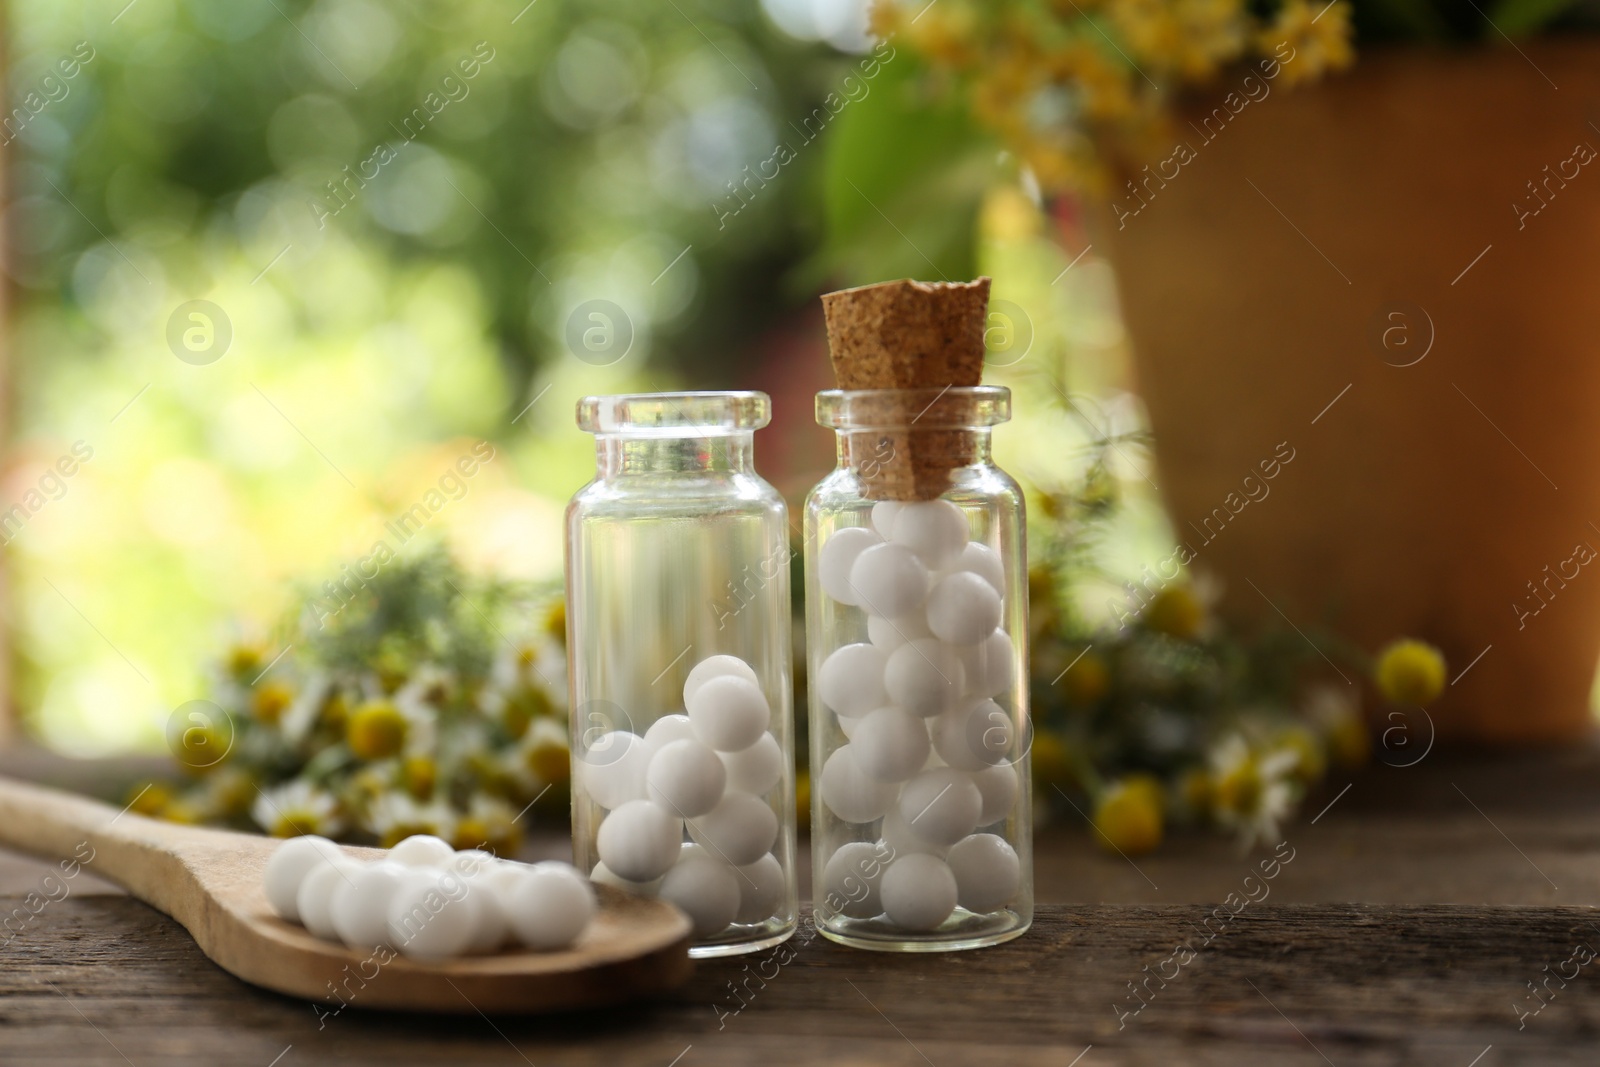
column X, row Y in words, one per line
column 1149, row 786
column 1127, row 819
column 1052, row 760
column 297, row 808
column 1349, row 743
column 1237, row 791
column 150, row 799
column 1086, row 681
column 419, row 774
column 1311, row 759
column 376, row 730
column 245, row 660
column 1410, row 672
column 545, row 752
column 555, row 620
column 268, row 701
column 490, row 824
column 1308, row 41
column 1177, row 612
column 522, row 706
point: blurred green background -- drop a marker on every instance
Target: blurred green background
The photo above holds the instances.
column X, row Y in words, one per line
column 421, row 225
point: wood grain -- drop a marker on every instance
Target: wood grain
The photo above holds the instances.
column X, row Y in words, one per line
column 102, row 979
column 210, row 882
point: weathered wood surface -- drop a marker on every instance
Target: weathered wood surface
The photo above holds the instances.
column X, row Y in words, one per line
column 1476, row 878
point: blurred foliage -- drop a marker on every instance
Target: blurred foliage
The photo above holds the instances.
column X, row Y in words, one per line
column 494, row 167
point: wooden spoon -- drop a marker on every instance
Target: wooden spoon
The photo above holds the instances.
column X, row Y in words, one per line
column 210, row 881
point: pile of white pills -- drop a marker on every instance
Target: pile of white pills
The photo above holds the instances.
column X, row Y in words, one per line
column 426, row 900
column 926, row 758
column 708, row 774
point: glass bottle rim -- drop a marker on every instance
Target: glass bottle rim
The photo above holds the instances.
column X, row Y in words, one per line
column 952, row 407
column 688, row 414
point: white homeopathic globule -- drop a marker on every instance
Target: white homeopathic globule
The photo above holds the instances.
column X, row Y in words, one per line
column 428, row 904
column 708, row 773
column 927, row 761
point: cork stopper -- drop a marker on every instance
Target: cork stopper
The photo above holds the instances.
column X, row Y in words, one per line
column 915, row 337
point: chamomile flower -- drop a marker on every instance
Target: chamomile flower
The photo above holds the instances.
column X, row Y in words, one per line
column 296, row 808
column 1253, row 792
column 395, row 816
column 488, row 823
column 1335, row 711
column 1410, row 672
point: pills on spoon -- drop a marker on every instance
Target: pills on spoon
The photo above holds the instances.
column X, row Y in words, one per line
column 463, row 903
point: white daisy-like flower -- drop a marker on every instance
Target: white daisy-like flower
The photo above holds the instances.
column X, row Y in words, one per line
column 537, row 663
column 395, row 816
column 301, row 715
column 296, row 808
column 1254, row 792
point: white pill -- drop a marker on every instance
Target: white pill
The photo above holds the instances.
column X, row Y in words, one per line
column 883, row 516
column 890, row 634
column 925, row 677
column 973, row 736
column 963, row 608
column 847, row 725
column 757, row 769
column 708, row 891
column 998, row 788
column 422, row 850
column 936, row 530
column 983, row 561
column 918, row 891
column 550, row 906
column 360, row 907
column 473, row 862
column 729, row 713
column 663, row 732
column 686, row 778
column 850, row 680
column 493, row 928
column 716, row 667
column 612, row 769
column 314, row 902
column 890, row 744
column 850, row 880
column 639, row 841
column 941, row 805
column 889, row 580
column 987, row 871
column 433, row 915
column 850, row 792
column 288, row 866
column 603, row 875
column 739, row 830
column 900, row 839
column 761, row 885
column 991, row 664
column 838, row 555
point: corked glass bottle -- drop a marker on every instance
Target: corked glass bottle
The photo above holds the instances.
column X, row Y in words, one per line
column 916, row 627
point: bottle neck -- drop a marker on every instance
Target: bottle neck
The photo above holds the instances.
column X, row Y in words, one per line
column 619, row 454
column 867, row 451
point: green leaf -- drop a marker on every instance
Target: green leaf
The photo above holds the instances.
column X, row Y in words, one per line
column 903, row 177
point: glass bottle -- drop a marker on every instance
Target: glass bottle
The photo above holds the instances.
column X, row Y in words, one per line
column 917, row 629
column 679, row 663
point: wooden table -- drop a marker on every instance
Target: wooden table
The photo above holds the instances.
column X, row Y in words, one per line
column 1405, row 930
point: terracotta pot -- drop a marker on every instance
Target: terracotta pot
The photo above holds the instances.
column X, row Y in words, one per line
column 1355, row 271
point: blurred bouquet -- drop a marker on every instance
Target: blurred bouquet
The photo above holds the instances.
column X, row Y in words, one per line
column 418, row 700
column 1164, row 715
column 1079, row 89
